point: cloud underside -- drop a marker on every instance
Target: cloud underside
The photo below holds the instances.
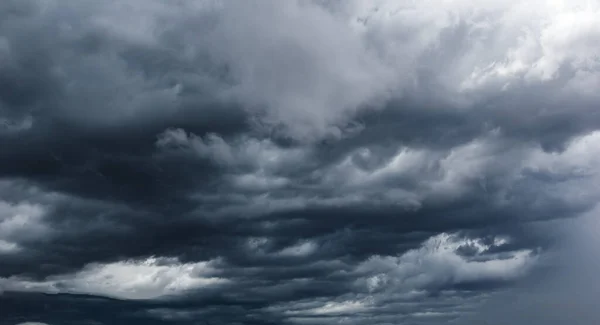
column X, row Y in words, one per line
column 275, row 162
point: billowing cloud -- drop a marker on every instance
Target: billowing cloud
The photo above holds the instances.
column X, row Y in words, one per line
column 148, row 279
column 292, row 162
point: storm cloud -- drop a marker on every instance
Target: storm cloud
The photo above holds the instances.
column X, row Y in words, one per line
column 295, row 162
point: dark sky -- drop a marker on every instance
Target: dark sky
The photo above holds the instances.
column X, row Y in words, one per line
column 206, row 162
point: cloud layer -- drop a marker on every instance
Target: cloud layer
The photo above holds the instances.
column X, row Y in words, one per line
column 290, row 162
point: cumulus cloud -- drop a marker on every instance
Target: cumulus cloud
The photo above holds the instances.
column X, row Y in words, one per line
column 442, row 264
column 290, row 162
column 439, row 263
column 146, row 279
column 22, row 220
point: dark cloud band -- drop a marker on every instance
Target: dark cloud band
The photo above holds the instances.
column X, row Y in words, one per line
column 300, row 162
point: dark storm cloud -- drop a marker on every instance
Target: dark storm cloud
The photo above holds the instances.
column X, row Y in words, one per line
column 196, row 162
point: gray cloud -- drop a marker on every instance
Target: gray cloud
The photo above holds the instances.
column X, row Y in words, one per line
column 562, row 291
column 304, row 162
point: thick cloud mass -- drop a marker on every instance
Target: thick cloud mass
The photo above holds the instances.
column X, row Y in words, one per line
column 295, row 162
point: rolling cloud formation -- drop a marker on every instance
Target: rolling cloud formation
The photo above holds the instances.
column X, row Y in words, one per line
column 296, row 162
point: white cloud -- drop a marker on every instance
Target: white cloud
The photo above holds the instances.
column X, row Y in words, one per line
column 406, row 178
column 347, row 307
column 260, row 246
column 136, row 279
column 504, row 41
column 311, row 75
column 304, row 248
column 472, row 50
column 438, row 263
column 396, row 289
column 20, row 222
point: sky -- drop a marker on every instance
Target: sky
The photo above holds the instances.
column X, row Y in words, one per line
column 299, row 162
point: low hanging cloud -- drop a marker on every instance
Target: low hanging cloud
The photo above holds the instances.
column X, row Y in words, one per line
column 292, row 162
column 148, row 279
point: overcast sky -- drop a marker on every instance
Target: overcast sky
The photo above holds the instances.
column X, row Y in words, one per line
column 206, row 162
